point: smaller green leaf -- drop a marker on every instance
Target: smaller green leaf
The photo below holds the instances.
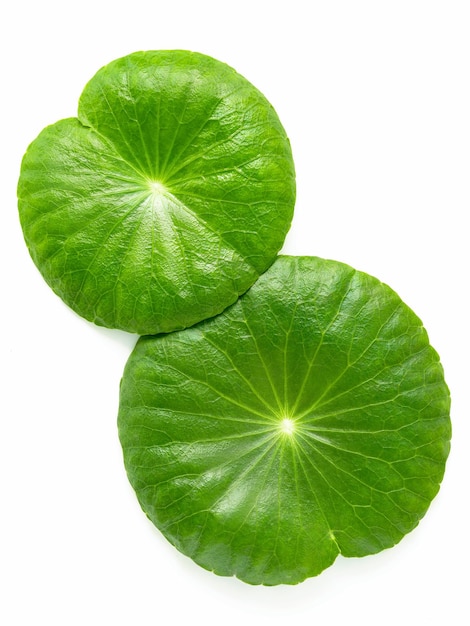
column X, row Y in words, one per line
column 310, row 419
column 165, row 199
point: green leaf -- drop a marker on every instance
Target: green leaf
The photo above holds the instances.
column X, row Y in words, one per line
column 309, row 419
column 166, row 198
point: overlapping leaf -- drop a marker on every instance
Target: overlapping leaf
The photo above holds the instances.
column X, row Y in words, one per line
column 166, row 198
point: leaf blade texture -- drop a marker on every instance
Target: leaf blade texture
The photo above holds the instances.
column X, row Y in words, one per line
column 165, row 199
column 309, row 419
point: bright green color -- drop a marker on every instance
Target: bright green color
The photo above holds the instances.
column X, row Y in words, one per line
column 166, row 198
column 309, row 419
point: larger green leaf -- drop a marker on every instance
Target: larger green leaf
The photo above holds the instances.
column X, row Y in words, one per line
column 309, row 419
column 166, row 198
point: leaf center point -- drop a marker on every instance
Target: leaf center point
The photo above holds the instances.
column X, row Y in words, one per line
column 287, row 426
column 156, row 188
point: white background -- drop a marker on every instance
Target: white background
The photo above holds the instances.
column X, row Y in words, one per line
column 375, row 98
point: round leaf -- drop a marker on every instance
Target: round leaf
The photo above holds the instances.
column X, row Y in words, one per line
column 309, row 419
column 166, row 198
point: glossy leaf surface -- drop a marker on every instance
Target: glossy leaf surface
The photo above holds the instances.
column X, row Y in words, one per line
column 309, row 419
column 166, row 198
